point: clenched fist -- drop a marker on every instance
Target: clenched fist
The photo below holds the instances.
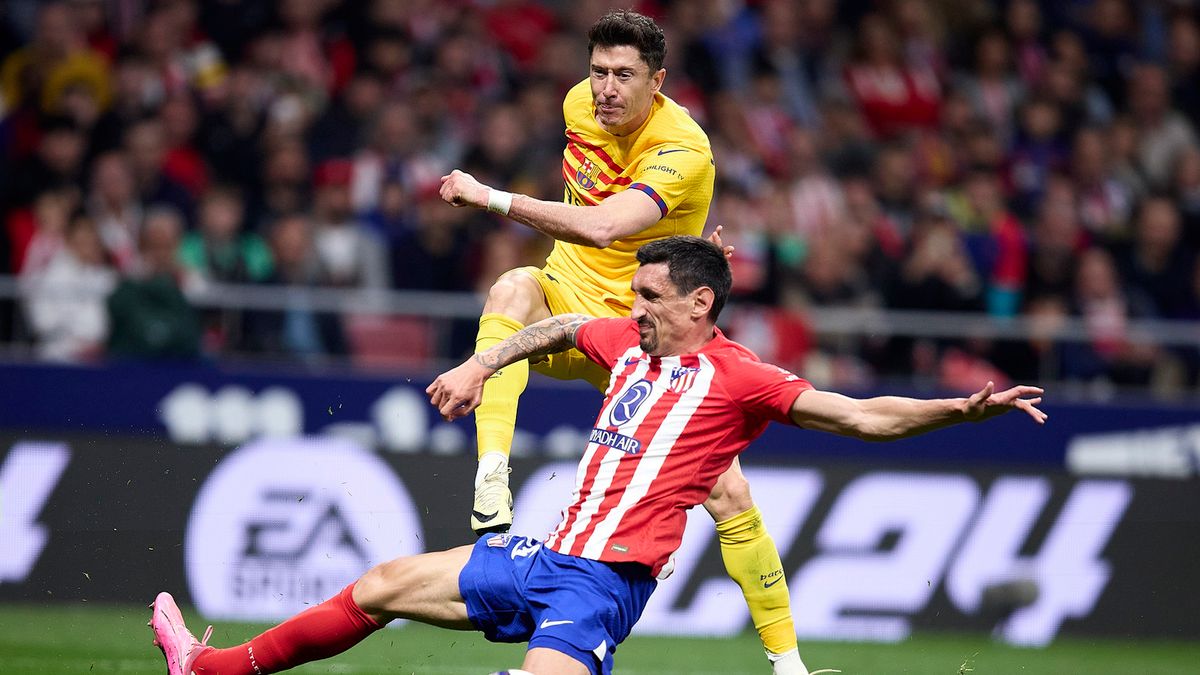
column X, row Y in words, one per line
column 461, row 189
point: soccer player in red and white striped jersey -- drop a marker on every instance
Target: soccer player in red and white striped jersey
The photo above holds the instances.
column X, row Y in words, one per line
column 682, row 402
column 670, row 425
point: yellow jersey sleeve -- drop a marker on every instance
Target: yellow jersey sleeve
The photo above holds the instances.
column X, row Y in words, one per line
column 676, row 178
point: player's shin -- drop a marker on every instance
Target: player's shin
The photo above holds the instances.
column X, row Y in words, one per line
column 496, row 416
column 752, row 560
column 495, row 421
column 319, row 632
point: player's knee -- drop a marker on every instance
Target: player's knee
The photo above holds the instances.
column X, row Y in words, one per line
column 515, row 294
column 730, row 497
column 381, row 591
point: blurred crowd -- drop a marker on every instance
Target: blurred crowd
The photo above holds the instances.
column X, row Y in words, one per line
column 1018, row 158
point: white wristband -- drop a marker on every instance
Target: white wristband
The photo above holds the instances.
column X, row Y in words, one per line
column 499, row 201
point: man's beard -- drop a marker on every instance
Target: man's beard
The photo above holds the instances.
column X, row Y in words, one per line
column 648, row 341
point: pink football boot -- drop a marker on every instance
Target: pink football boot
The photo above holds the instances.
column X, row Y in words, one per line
column 174, row 639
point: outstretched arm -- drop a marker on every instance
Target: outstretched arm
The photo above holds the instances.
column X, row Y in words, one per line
column 887, row 418
column 618, row 216
column 456, row 392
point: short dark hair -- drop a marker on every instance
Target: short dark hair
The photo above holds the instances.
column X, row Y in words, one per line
column 622, row 27
column 692, row 262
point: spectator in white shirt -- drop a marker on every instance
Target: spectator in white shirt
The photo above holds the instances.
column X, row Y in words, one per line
column 65, row 301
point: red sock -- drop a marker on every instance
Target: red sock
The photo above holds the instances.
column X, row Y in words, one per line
column 319, row 632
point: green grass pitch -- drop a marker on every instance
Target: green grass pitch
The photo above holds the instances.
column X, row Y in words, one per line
column 81, row 638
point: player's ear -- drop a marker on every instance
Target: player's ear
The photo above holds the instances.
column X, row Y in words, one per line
column 656, row 79
column 702, row 302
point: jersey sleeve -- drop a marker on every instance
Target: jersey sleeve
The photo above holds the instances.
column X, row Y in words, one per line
column 605, row 340
column 669, row 174
column 765, row 390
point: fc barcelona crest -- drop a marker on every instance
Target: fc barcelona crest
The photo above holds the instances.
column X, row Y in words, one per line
column 586, row 174
column 682, row 379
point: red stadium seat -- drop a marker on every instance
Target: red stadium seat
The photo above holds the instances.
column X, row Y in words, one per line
column 380, row 341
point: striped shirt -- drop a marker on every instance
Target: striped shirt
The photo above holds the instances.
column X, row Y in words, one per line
column 669, row 427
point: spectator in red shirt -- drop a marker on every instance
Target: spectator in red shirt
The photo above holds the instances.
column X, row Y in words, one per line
column 520, row 27
column 893, row 95
column 183, row 162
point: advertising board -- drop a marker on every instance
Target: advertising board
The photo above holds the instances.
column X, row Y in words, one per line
column 871, row 552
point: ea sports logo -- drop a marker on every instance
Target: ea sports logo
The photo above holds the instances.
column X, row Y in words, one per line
column 627, row 406
column 282, row 524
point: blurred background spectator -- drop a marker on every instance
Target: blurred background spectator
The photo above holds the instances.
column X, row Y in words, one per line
column 1017, row 157
column 148, row 314
column 298, row 332
column 65, row 296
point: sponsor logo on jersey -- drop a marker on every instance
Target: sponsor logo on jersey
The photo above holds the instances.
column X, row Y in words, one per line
column 627, row 406
column 612, row 439
column 670, row 171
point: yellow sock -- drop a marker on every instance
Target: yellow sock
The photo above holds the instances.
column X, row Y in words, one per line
column 752, row 560
column 496, row 416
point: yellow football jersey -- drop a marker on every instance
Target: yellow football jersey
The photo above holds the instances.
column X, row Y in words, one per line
column 669, row 158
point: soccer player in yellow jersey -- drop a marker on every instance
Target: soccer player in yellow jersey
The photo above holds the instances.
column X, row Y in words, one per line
column 637, row 168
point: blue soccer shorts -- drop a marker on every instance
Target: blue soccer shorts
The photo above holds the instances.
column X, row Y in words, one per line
column 518, row 591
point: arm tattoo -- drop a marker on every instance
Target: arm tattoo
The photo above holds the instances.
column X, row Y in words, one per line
column 549, row 336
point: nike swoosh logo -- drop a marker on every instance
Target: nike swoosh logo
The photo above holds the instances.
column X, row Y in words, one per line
column 775, row 581
column 667, row 152
column 484, row 517
column 548, row 623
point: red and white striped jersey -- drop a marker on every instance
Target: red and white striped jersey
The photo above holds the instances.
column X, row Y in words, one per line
column 669, row 427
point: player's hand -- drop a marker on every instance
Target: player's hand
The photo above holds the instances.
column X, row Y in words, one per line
column 715, row 238
column 455, row 393
column 460, row 188
column 985, row 403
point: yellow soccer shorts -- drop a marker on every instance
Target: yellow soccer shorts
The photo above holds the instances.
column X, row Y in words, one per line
column 562, row 297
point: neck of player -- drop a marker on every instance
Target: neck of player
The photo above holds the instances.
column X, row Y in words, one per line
column 691, row 344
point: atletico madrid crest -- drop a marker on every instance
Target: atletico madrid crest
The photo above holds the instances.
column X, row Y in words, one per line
column 682, row 379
